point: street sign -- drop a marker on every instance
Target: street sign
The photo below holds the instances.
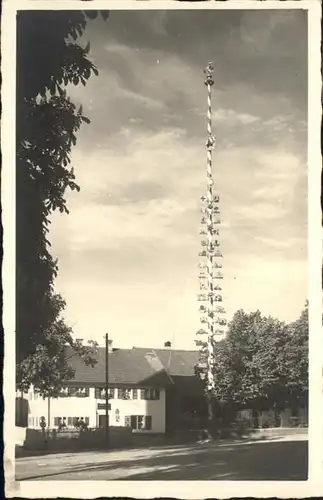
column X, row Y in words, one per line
column 102, row 406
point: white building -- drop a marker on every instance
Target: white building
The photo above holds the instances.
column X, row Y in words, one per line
column 143, row 391
column 142, row 408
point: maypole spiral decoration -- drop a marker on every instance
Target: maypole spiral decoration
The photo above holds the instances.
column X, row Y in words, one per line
column 210, row 275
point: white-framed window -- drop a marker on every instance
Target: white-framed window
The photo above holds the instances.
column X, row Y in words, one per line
column 71, row 421
column 35, row 394
column 63, row 393
column 124, row 393
column 150, row 394
column 139, row 422
column 60, row 421
column 100, row 393
column 79, row 392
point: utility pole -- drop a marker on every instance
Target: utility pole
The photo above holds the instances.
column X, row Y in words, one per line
column 210, row 273
column 107, row 388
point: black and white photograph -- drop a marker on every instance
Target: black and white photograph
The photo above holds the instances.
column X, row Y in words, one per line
column 161, row 245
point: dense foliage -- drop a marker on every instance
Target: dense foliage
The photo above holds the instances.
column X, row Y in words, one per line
column 48, row 60
column 262, row 363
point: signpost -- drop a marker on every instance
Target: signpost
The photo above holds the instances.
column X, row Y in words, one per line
column 107, row 388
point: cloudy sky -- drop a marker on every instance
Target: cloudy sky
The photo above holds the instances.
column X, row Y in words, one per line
column 128, row 251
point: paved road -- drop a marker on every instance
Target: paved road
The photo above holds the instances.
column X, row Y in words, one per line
column 273, row 459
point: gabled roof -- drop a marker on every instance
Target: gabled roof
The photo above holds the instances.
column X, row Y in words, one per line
column 126, row 366
column 150, row 367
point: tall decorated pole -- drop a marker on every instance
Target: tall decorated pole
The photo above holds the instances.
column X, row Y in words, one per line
column 210, row 265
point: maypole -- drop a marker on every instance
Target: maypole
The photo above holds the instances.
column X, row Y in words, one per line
column 210, row 295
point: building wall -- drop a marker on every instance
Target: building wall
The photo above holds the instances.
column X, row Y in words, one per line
column 155, row 409
column 87, row 407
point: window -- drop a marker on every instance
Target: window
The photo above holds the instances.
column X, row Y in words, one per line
column 71, row 421
column 79, row 392
column 60, row 421
column 134, row 393
column 124, row 393
column 35, row 394
column 148, row 423
column 100, row 393
column 139, row 422
column 64, row 392
column 150, row 394
column 143, row 393
column 117, row 415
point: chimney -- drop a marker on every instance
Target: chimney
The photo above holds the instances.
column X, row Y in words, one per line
column 168, row 344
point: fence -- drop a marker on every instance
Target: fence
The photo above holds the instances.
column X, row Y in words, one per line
column 265, row 422
column 73, row 439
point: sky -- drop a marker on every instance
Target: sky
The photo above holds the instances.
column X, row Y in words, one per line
column 128, row 250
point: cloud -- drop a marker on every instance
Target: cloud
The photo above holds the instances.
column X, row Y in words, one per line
column 128, row 251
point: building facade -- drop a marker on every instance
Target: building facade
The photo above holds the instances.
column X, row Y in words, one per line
column 141, row 408
column 149, row 391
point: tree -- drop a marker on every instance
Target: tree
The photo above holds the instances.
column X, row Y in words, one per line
column 262, row 364
column 47, row 368
column 297, row 360
column 48, row 60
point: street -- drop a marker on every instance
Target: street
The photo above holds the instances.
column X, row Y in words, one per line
column 283, row 458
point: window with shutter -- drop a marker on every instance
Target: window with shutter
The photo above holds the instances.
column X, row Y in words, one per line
column 133, row 421
column 140, row 422
column 124, row 393
column 144, row 394
column 56, row 421
column 82, row 392
column 69, row 420
column 148, row 423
